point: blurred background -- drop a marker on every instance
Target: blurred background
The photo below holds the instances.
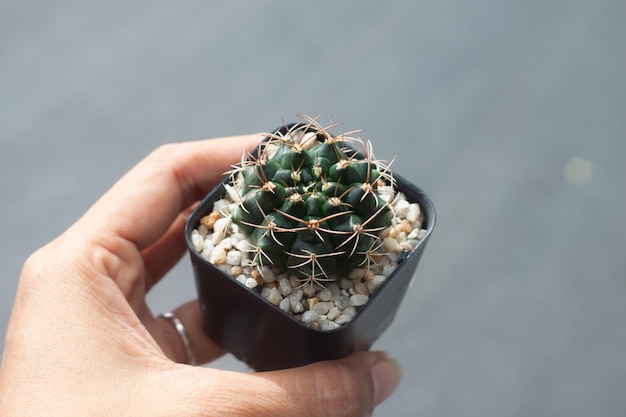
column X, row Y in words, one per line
column 511, row 115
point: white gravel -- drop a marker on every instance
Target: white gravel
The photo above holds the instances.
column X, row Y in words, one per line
column 325, row 308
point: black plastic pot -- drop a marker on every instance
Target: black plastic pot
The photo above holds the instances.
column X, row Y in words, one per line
column 265, row 337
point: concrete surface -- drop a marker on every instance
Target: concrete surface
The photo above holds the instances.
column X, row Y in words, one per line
column 519, row 305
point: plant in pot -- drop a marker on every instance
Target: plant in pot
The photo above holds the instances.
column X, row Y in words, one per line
column 305, row 250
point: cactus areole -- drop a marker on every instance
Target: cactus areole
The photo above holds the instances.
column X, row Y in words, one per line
column 312, row 204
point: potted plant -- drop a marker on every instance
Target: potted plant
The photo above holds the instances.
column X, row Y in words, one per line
column 305, row 250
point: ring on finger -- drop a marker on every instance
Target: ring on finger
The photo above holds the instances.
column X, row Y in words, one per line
column 190, row 358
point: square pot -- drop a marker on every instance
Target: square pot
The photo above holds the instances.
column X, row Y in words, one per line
column 267, row 338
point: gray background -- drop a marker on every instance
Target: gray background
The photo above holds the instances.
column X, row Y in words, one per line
column 519, row 305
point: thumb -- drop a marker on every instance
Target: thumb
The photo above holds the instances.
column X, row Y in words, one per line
column 349, row 387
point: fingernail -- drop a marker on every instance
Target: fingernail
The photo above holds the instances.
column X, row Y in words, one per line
column 386, row 375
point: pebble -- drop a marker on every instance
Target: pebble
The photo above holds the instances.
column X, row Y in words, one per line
column 361, row 288
column 358, row 300
column 391, row 245
column 413, row 212
column 274, row 296
column 356, row 273
column 375, row 283
column 330, row 293
column 328, row 325
column 295, row 305
column 208, row 221
column 388, row 269
column 401, row 208
column 309, row 290
column 342, row 302
column 322, row 307
column 243, row 246
column 285, row 305
column 333, row 313
column 267, row 274
column 197, row 240
column 310, row 316
column 233, row 257
column 218, row 255
column 343, row 319
column 284, row 287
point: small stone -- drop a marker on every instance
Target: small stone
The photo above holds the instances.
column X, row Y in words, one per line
column 413, row 243
column 375, row 283
column 422, row 234
column 206, row 254
column 242, row 279
column 222, row 205
column 401, row 208
column 413, row 212
column 233, row 258
column 197, row 240
column 330, row 293
column 207, row 246
column 328, row 325
column 310, row 316
column 227, row 243
column 218, row 255
column 243, row 246
column 343, row 319
column 309, row 290
column 342, row 302
column 386, row 192
column 232, row 193
column 322, row 307
column 284, row 287
column 392, row 245
column 294, row 281
column 357, row 300
column 295, row 305
column 209, row 220
column 314, row 325
column 203, row 230
column 404, row 226
column 236, row 270
column 219, row 229
column 388, row 269
column 274, row 296
column 346, row 284
column 285, row 305
column 312, row 302
column 268, row 274
column 298, row 294
column 333, row 313
column 407, row 246
column 413, row 234
column 256, row 275
column 356, row 273
column 349, row 311
column 251, row 282
column 361, row 288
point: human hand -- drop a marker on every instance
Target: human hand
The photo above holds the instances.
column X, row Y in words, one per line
column 82, row 340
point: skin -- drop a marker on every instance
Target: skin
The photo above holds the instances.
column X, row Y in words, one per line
column 82, row 341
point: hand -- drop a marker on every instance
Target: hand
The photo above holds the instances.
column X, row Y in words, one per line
column 82, row 340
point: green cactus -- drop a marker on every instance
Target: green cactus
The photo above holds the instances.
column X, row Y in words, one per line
column 310, row 202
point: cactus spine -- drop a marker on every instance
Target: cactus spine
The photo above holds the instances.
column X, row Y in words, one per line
column 311, row 202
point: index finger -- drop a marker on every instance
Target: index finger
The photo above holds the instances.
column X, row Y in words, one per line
column 143, row 203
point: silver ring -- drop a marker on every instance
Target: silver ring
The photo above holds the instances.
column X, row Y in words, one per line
column 191, row 357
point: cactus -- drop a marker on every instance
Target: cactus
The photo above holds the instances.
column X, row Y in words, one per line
column 310, row 203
